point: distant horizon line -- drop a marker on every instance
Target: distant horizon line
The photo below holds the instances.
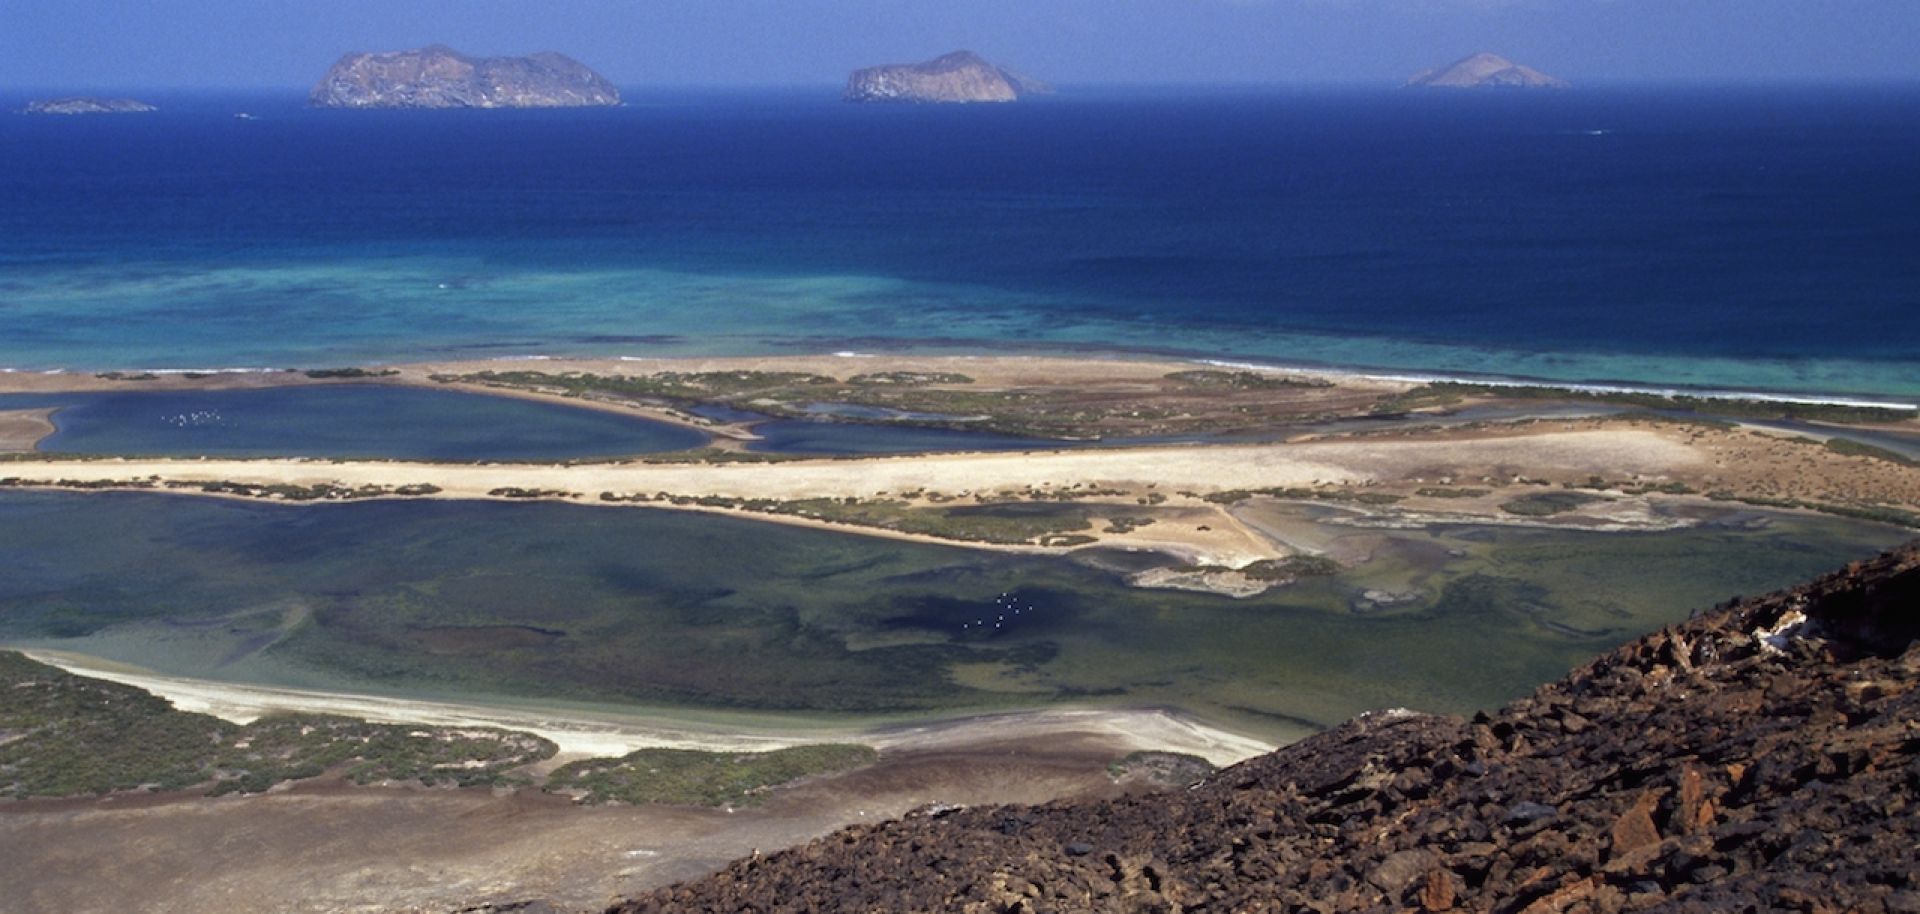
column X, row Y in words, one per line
column 1579, row 82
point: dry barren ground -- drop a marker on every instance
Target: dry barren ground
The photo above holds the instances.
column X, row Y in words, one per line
column 327, row 847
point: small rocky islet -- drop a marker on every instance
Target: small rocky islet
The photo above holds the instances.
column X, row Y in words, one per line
column 438, row 76
column 1484, row 71
column 86, row 104
column 958, row 78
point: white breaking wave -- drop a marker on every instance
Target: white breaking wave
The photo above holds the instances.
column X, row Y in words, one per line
column 1521, row 383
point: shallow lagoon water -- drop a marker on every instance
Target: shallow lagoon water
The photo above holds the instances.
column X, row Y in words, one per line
column 649, row 607
column 411, row 423
column 342, row 421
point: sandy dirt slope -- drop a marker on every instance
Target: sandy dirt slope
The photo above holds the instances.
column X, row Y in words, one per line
column 335, row 848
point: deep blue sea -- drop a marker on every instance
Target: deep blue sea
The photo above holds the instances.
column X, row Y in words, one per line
column 1734, row 239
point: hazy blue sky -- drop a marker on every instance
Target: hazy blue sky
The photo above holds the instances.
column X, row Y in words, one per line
column 94, row 43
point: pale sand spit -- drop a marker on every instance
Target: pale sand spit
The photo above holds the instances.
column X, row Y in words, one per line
column 581, row 735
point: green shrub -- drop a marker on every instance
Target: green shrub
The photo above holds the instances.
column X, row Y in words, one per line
column 1546, row 504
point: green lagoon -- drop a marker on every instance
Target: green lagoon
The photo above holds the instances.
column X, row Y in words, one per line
column 651, row 609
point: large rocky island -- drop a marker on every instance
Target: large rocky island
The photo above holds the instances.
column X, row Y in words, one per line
column 441, row 77
column 961, row 76
column 88, row 105
column 1484, row 71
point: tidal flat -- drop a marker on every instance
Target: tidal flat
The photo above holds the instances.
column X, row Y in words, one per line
column 544, row 602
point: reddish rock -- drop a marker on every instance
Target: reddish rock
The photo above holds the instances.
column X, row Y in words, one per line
column 1634, row 828
column 1438, row 893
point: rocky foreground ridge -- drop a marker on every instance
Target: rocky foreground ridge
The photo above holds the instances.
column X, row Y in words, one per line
column 961, row 76
column 440, row 77
column 1484, row 71
column 1764, row 756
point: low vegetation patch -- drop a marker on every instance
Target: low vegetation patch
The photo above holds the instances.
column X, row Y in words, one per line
column 316, row 492
column 1447, row 492
column 1174, row 769
column 1245, row 380
column 279, row 491
column 1446, row 393
column 1291, row 568
column 1547, row 504
column 1125, row 524
column 672, row 386
column 1885, row 514
column 16, row 482
column 66, row 735
column 1271, row 571
column 1235, row 496
column 908, row 378
column 1187, row 402
column 518, row 492
column 690, row 777
column 327, row 373
column 1852, row 448
column 1630, row 487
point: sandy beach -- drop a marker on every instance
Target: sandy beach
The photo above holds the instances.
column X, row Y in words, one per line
column 1177, row 486
column 580, row 734
column 1189, row 472
column 1117, row 482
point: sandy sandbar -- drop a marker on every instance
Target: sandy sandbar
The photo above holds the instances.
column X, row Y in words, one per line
column 22, row 430
column 580, row 734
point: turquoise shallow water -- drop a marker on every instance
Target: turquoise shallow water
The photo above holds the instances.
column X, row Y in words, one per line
column 1712, row 238
column 497, row 310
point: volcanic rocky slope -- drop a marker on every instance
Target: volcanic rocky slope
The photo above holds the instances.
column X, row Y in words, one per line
column 1764, row 756
column 1485, row 71
column 441, row 77
column 961, row 76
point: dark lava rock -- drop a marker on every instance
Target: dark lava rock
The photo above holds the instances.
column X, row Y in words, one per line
column 1764, row 756
column 1523, row 813
column 441, row 77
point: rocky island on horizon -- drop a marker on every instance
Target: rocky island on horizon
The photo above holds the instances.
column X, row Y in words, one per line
column 959, row 77
column 1484, row 71
column 87, row 104
column 438, row 76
